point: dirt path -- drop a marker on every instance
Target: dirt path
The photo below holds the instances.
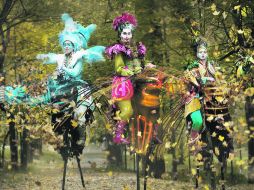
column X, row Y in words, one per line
column 46, row 174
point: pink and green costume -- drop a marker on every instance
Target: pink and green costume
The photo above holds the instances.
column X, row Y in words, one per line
column 127, row 59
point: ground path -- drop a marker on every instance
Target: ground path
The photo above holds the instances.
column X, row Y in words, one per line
column 46, row 174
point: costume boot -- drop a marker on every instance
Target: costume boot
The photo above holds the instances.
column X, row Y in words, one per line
column 120, row 127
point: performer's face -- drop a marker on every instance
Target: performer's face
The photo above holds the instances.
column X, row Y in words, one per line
column 202, row 53
column 126, row 35
column 68, row 47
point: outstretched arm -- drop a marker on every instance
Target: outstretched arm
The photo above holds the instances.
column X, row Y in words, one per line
column 49, row 58
column 15, row 95
column 93, row 54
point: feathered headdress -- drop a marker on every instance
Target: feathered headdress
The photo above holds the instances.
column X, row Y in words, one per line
column 75, row 33
column 123, row 21
column 199, row 42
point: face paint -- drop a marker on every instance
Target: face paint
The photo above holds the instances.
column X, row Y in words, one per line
column 68, row 47
column 126, row 35
column 202, row 53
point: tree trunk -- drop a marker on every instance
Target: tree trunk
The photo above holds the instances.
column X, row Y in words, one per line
column 30, row 153
column 174, row 159
column 249, row 108
column 1, row 63
column 115, row 156
column 13, row 144
column 24, row 149
column 181, row 159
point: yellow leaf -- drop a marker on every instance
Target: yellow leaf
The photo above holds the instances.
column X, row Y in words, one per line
column 9, row 167
column 110, row 173
column 216, row 13
column 237, row 7
column 210, row 118
column 125, row 187
column 199, row 157
column 214, row 134
column 174, row 144
column 240, row 31
column 199, row 179
column 219, row 99
column 251, row 59
column 168, row 145
column 111, row 102
column 249, row 91
column 231, row 156
column 217, row 151
column 8, row 121
column 192, row 149
column 72, row 104
column 224, row 14
column 240, row 162
column 74, row 123
column 225, row 144
column 244, row 12
column 227, row 60
column 193, row 171
column 227, row 124
column 251, row 161
column 213, row 7
column 239, row 71
column 159, row 121
column 55, row 110
column 221, row 138
column 206, row 187
column 108, row 126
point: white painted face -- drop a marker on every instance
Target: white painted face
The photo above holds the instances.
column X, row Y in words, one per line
column 126, row 35
column 202, row 53
column 68, row 47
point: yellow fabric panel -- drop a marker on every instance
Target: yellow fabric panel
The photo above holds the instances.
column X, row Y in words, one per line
column 119, row 64
column 192, row 106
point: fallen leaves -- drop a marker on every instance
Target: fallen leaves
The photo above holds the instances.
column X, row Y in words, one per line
column 74, row 123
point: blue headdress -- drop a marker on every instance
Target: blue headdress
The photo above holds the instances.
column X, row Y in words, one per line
column 75, row 33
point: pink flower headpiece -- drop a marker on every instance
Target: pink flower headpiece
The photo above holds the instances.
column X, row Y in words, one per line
column 123, row 21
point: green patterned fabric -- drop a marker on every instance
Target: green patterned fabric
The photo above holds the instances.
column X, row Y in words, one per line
column 197, row 120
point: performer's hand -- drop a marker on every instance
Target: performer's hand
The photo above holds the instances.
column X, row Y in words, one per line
column 205, row 79
column 150, row 65
column 127, row 72
column 41, row 56
column 137, row 70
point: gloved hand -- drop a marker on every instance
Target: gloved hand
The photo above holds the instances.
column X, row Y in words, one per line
column 205, row 79
column 127, row 72
column 150, row 65
column 41, row 56
column 137, row 70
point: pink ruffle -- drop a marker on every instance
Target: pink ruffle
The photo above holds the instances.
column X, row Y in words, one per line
column 118, row 48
